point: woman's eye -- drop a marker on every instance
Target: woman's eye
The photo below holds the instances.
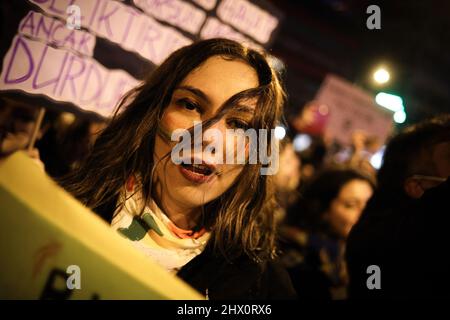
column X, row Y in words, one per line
column 187, row 104
column 238, row 124
column 350, row 205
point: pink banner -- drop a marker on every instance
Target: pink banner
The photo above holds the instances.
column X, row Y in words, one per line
column 123, row 25
column 37, row 68
column 176, row 12
column 351, row 109
column 55, row 32
column 248, row 18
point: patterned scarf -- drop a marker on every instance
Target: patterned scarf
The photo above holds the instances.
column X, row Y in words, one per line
column 155, row 235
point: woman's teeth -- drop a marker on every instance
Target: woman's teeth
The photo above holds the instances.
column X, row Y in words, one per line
column 198, row 168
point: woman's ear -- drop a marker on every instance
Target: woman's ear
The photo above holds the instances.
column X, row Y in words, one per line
column 413, row 188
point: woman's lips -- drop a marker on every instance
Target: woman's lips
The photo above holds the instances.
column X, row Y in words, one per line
column 193, row 176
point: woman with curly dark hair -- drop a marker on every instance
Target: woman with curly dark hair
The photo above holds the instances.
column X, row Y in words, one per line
column 210, row 223
column 316, row 228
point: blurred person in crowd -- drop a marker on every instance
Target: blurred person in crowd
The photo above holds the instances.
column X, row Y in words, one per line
column 316, row 229
column 356, row 155
column 211, row 224
column 403, row 230
column 313, row 158
column 80, row 138
column 68, row 142
column 17, row 122
column 287, row 179
column 363, row 147
column 311, row 120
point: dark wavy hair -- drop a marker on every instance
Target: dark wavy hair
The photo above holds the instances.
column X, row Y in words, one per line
column 241, row 220
column 316, row 197
column 408, row 153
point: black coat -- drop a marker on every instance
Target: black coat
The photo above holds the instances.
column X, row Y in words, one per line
column 243, row 279
column 408, row 241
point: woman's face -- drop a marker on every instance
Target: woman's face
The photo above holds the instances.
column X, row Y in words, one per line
column 198, row 98
column 288, row 176
column 346, row 209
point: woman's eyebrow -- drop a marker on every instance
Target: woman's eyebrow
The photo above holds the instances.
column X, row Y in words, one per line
column 244, row 108
column 199, row 93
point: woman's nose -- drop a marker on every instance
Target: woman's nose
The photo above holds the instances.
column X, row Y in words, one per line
column 221, row 142
column 215, row 136
column 212, row 131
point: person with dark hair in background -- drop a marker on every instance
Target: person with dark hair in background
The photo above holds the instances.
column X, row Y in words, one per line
column 403, row 230
column 17, row 122
column 68, row 142
column 316, row 228
column 287, row 179
column 310, row 122
column 212, row 224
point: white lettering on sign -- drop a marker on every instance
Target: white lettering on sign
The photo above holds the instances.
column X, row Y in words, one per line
column 248, row 18
column 37, row 68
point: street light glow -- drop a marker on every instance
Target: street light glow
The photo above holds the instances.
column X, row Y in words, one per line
column 389, row 101
column 381, row 76
column 399, row 116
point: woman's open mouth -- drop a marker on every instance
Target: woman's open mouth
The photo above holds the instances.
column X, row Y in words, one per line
column 197, row 173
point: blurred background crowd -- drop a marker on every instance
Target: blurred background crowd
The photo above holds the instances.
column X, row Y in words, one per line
column 324, row 185
column 322, row 190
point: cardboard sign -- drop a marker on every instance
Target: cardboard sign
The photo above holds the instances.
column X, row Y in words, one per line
column 53, row 31
column 213, row 28
column 248, row 18
column 350, row 109
column 53, row 247
column 121, row 24
column 34, row 67
column 66, row 49
column 176, row 12
column 206, row 4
